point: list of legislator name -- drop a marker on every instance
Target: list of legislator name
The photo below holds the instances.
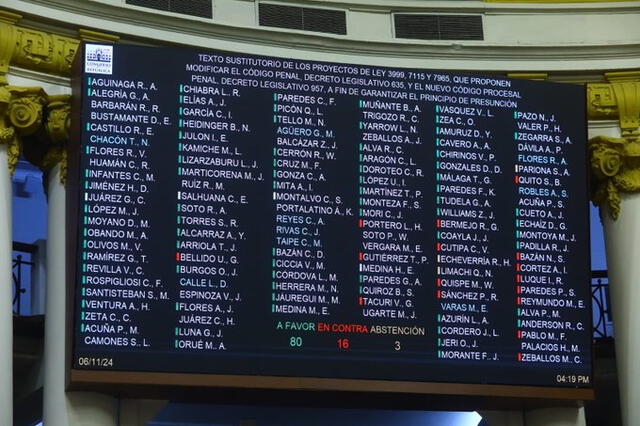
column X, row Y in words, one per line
column 266, row 216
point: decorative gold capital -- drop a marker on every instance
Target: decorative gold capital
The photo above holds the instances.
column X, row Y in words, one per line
column 47, row 146
column 29, row 119
column 37, row 124
column 21, row 115
column 620, row 98
column 58, row 118
column 615, row 168
column 8, row 134
column 26, row 109
column 57, row 126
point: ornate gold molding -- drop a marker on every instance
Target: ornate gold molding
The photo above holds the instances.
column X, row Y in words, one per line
column 58, row 118
column 33, row 49
column 48, row 146
column 39, row 50
column 35, row 123
column 21, row 115
column 615, row 168
column 58, row 124
column 26, row 109
column 615, row 162
column 7, row 42
column 8, row 134
column 29, row 119
column 617, row 99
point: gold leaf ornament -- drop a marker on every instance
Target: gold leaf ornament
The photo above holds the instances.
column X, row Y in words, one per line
column 25, row 114
column 13, row 155
column 58, row 119
column 608, row 161
column 7, row 132
column 615, row 168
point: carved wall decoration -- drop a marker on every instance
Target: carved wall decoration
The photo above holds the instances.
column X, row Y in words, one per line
column 26, row 108
column 620, row 98
column 33, row 49
column 615, row 162
column 615, row 168
column 57, row 129
column 31, row 121
column 8, row 134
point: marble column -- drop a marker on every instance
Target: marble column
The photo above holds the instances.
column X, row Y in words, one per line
column 615, row 186
column 7, row 136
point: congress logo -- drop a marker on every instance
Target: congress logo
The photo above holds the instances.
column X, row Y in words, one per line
column 98, row 59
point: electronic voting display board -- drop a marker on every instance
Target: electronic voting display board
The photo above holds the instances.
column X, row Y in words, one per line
column 260, row 216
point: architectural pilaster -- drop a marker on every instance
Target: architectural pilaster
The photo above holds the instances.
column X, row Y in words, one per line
column 21, row 112
column 615, row 182
column 47, row 146
column 57, row 128
column 45, row 149
column 7, row 141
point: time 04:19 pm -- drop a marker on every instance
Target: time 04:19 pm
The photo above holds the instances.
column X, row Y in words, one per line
column 578, row 379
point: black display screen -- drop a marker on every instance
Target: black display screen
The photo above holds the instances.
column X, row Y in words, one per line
column 250, row 215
